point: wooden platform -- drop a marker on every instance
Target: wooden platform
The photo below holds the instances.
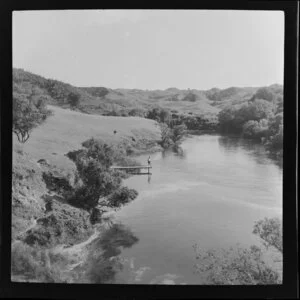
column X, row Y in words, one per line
column 133, row 169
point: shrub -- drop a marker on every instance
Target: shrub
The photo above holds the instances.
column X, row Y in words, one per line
column 38, row 265
column 270, row 232
column 255, row 130
column 265, row 94
column 62, row 223
column 166, row 133
column 73, row 99
column 137, row 112
column 190, row 97
column 233, row 118
column 178, row 132
column 121, row 197
column 241, row 265
column 236, row 266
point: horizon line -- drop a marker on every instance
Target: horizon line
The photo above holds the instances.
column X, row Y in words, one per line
column 172, row 87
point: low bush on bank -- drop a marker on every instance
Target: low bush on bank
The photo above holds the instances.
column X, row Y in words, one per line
column 36, row 265
column 62, row 224
column 172, row 137
column 122, row 196
column 241, row 265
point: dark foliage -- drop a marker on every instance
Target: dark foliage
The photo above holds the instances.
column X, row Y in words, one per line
column 241, row 265
column 122, row 196
column 74, row 99
column 27, row 114
column 98, row 179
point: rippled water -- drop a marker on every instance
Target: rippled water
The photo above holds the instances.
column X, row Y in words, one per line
column 210, row 194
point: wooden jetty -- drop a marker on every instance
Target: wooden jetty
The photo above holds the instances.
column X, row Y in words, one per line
column 134, row 169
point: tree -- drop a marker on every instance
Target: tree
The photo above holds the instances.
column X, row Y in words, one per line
column 275, row 142
column 27, row 115
column 270, row 232
column 98, row 179
column 226, row 117
column 154, row 114
column 178, row 132
column 255, row 129
column 166, row 134
column 265, row 94
column 73, row 99
column 190, row 97
column 233, row 118
column 164, row 116
column 275, row 123
column 259, row 109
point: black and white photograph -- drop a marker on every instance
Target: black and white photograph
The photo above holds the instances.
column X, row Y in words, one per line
column 147, row 147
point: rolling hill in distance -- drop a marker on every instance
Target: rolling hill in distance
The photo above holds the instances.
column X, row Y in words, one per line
column 106, row 101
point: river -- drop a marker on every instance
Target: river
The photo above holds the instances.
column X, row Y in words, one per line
column 211, row 194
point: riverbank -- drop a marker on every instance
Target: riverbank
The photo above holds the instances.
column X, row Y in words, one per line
column 53, row 241
column 42, row 219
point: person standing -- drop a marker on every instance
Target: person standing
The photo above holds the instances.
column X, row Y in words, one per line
column 149, row 161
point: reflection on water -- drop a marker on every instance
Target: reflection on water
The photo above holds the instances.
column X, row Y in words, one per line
column 210, row 192
column 103, row 262
column 176, row 151
column 254, row 148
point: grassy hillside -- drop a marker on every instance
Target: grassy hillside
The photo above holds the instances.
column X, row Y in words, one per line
column 67, row 129
column 103, row 100
column 41, row 171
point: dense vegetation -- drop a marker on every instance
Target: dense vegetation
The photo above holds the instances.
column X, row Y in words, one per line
column 242, row 265
column 249, row 112
column 260, row 118
column 255, row 113
column 28, row 112
column 95, row 177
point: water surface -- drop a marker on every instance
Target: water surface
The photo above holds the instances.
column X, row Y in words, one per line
column 211, row 194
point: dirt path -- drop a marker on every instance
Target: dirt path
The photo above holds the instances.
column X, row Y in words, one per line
column 75, row 249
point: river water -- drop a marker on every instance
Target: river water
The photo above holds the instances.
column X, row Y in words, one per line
column 210, row 194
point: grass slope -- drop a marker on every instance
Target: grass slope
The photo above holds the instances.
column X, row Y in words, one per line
column 67, row 129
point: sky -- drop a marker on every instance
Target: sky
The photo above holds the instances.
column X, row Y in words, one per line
column 151, row 49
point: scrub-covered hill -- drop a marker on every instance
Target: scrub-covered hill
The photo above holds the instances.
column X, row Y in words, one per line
column 124, row 102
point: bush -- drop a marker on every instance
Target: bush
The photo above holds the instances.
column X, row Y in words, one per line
column 241, row 265
column 34, row 264
column 265, row 94
column 73, row 99
column 62, row 223
column 236, row 266
column 190, row 97
column 178, row 133
column 137, row 112
column 166, row 134
column 255, row 130
column 121, row 197
column 233, row 118
column 270, row 232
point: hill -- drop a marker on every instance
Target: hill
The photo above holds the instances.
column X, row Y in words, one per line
column 106, row 101
column 67, row 129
